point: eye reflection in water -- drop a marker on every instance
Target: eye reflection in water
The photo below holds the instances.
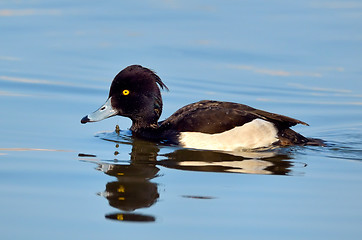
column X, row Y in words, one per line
column 133, row 188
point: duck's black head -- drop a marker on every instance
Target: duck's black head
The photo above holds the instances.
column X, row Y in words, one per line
column 134, row 93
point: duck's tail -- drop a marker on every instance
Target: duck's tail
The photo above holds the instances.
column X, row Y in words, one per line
column 315, row 142
column 289, row 137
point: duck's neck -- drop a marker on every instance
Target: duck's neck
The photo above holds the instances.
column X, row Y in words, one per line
column 139, row 125
column 145, row 122
column 145, row 130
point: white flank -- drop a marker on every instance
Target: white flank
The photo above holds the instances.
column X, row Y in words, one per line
column 255, row 134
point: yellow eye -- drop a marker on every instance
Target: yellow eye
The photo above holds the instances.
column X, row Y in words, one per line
column 125, row 92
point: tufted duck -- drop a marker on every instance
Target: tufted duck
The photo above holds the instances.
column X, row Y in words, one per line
column 226, row 126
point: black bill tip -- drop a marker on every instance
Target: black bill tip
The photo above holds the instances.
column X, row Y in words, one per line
column 85, row 120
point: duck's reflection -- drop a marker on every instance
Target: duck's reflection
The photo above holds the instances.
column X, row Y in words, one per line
column 208, row 161
column 130, row 217
column 129, row 192
column 134, row 188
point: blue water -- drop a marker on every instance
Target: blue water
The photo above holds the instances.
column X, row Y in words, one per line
column 63, row 180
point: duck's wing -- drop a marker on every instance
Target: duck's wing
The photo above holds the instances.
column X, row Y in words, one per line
column 215, row 117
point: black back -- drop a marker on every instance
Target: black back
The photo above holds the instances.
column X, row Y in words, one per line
column 216, row 117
